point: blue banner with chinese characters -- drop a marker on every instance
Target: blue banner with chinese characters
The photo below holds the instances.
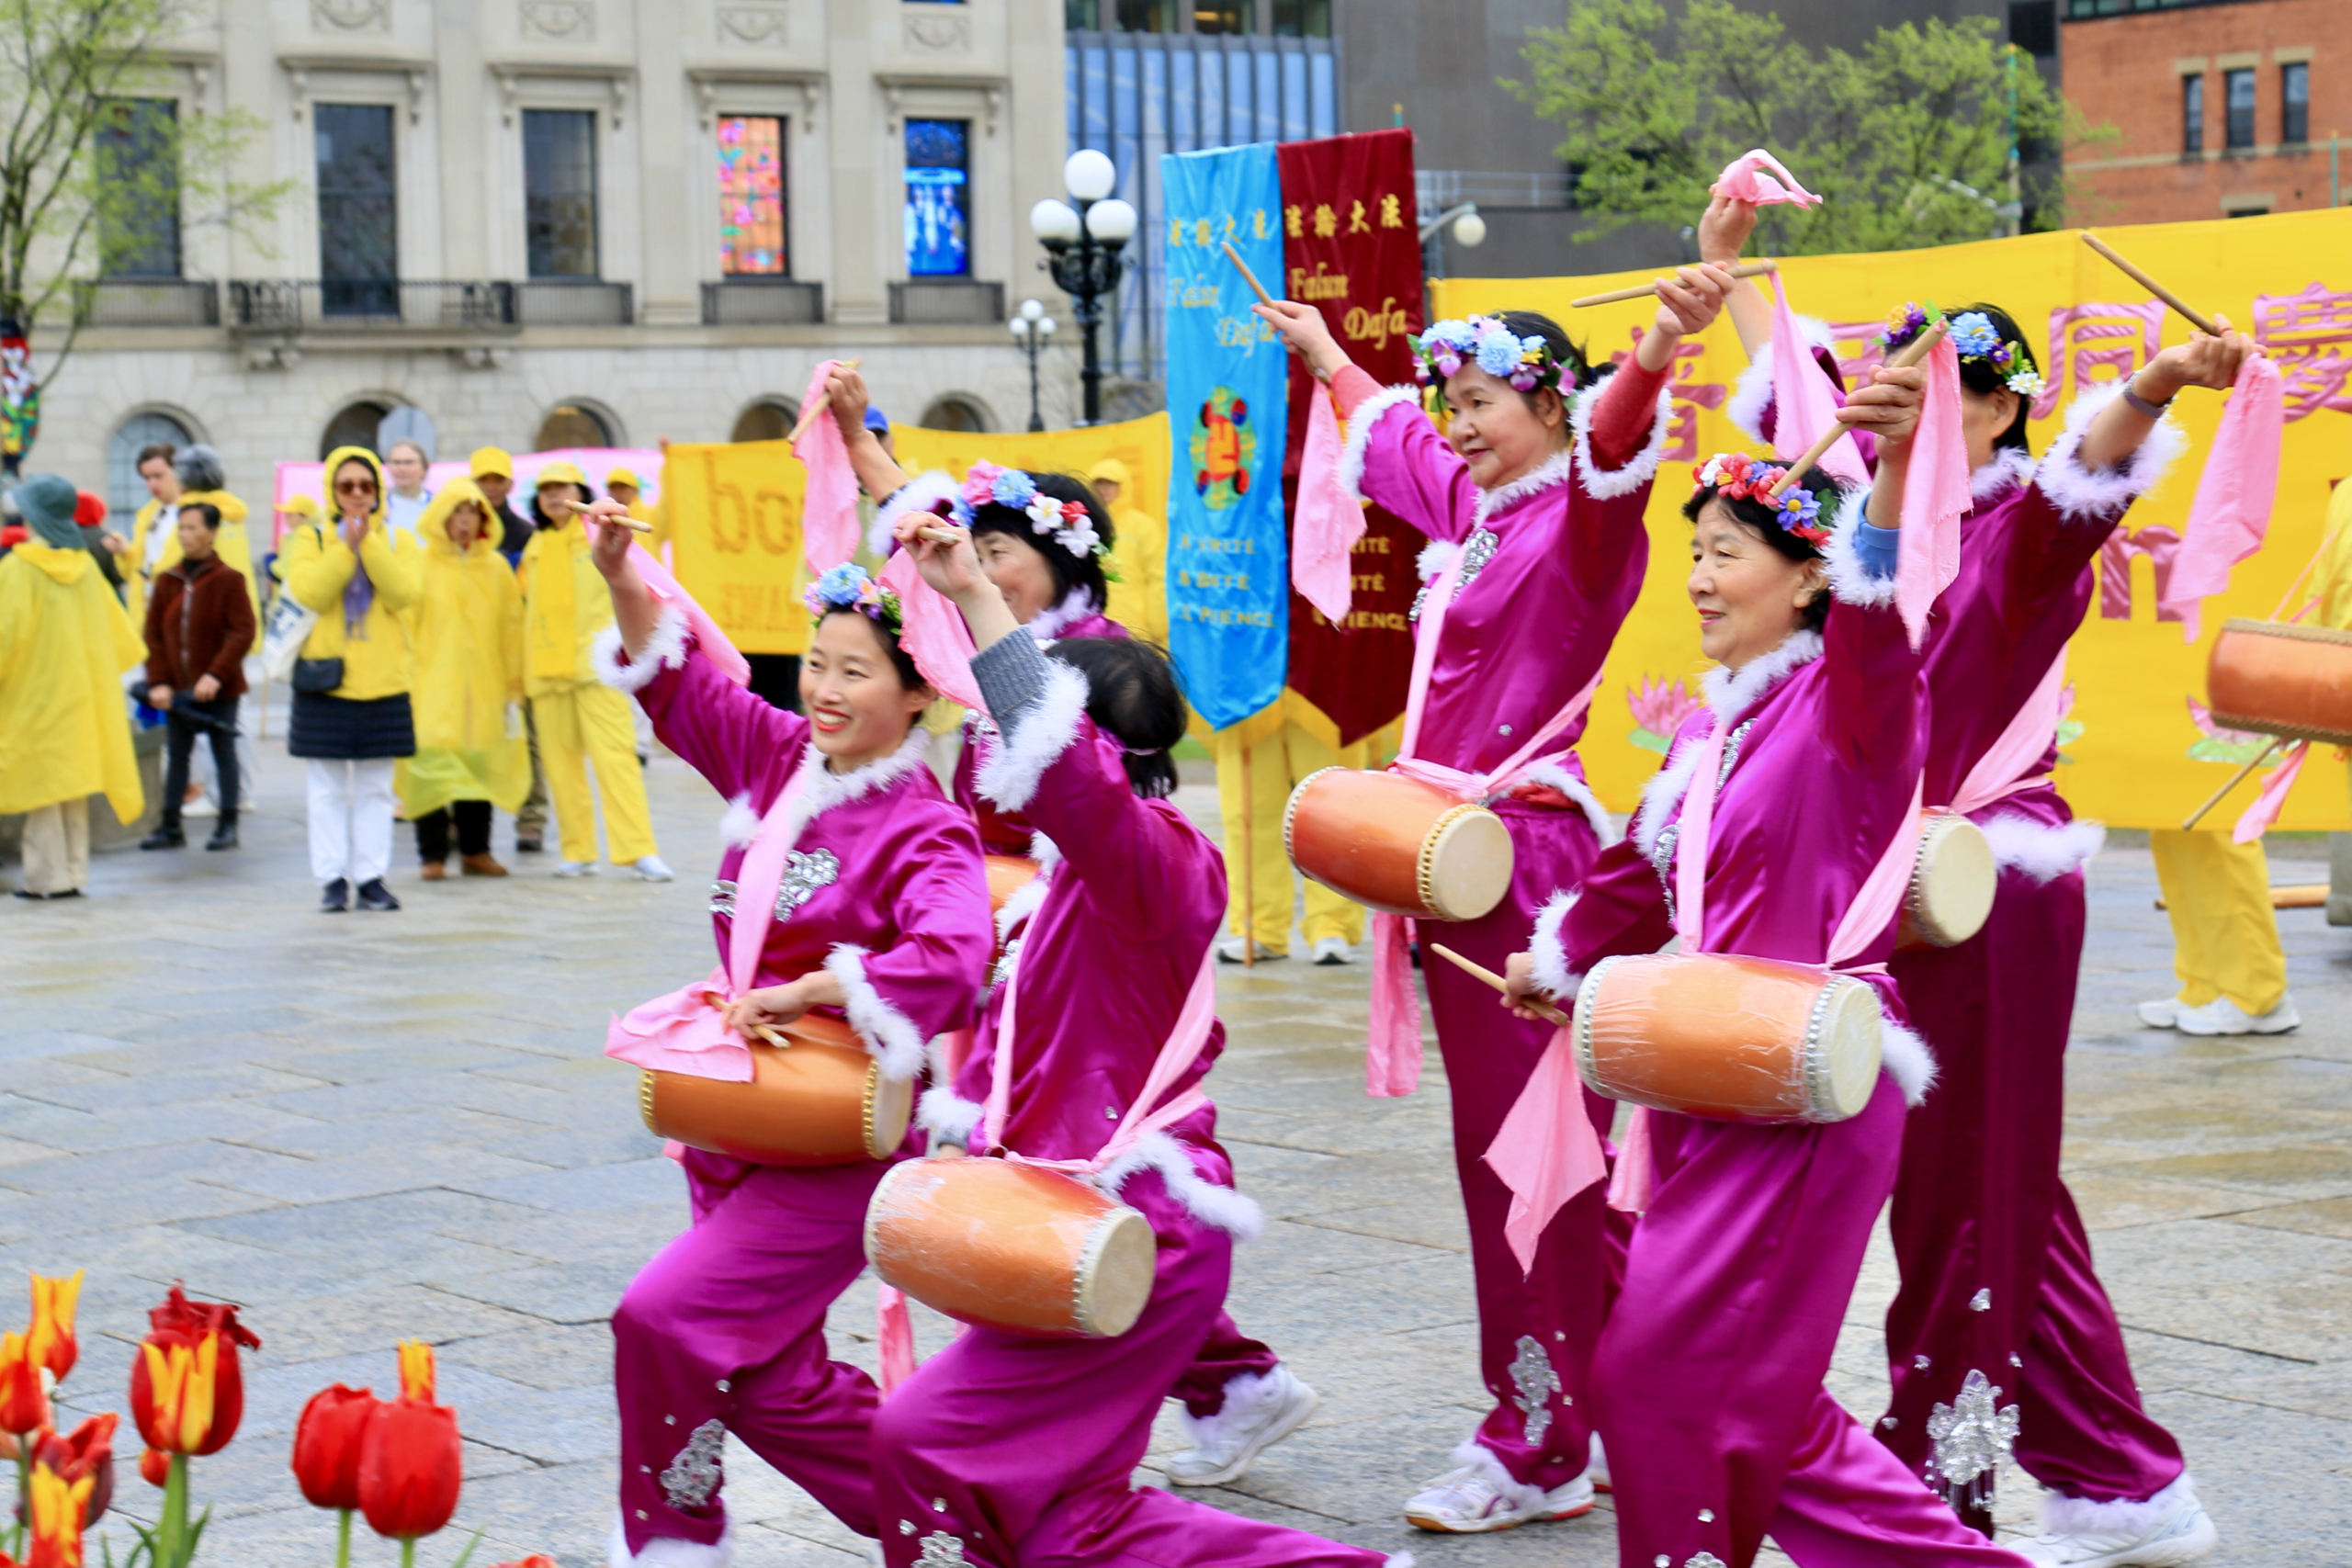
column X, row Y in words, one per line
column 1228, row 570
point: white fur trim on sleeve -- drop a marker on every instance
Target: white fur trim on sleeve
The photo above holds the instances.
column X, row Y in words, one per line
column 1907, row 1057
column 1435, row 557
column 1236, row 1213
column 2080, row 494
column 1608, row 484
column 1008, row 779
column 665, row 649
column 1044, row 851
column 1604, row 827
column 2043, row 852
column 890, row 1037
column 1850, row 583
column 1020, row 905
column 947, row 1116
column 1368, row 413
column 739, row 824
column 669, row 1552
column 1546, row 953
column 1750, row 396
column 918, row 494
column 2063, row 1515
column 2010, row 466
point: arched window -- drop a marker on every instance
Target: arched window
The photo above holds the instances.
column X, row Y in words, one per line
column 126, row 491
column 770, row 419
column 355, row 426
column 575, row 425
column 955, row 413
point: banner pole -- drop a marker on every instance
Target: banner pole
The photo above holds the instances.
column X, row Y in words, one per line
column 1249, row 870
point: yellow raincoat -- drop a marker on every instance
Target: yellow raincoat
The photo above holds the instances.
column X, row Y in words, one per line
column 467, row 635
column 317, row 566
column 1139, row 558
column 65, row 644
column 566, row 604
column 234, row 545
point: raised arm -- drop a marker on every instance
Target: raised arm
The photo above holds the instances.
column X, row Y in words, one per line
column 1875, row 693
column 878, row 473
column 1724, row 230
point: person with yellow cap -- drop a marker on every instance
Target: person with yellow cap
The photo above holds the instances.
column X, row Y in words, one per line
column 467, row 633
column 1139, row 555
column 64, row 730
column 493, row 474
column 579, row 718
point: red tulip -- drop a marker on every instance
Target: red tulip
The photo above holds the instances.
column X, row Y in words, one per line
column 87, row 1452
column 186, row 1390
column 536, row 1560
column 51, row 1340
column 327, row 1442
column 411, row 1462
column 24, row 1403
column 154, row 1467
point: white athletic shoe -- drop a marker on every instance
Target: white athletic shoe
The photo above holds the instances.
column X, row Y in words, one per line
column 1596, row 1468
column 650, row 869
column 1332, row 950
column 1480, row 1497
column 575, row 868
column 2222, row 1015
column 1260, row 1411
column 2169, row 1528
column 2162, row 1013
column 1228, row 950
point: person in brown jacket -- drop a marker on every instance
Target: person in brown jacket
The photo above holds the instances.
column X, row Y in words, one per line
column 199, row 626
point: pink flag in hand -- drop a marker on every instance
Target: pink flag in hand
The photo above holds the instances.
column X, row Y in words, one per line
column 1751, row 177
column 1325, row 525
column 931, row 630
column 1803, row 403
column 709, row 641
column 1935, row 498
column 828, row 504
column 2273, row 799
column 2231, row 512
column 1546, row 1151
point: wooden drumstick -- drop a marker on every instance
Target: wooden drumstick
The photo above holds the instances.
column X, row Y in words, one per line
column 824, row 399
column 1910, row 354
column 2235, row 779
column 1247, row 276
column 2151, row 285
column 625, row 521
column 1619, row 296
column 1479, row 971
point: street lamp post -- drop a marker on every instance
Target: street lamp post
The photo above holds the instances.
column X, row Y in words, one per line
column 1031, row 328
column 1084, row 246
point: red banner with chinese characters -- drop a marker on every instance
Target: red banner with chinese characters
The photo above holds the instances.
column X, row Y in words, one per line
column 1351, row 248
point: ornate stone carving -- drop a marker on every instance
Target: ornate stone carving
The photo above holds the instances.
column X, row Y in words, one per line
column 763, row 26
column 942, row 33
column 561, row 21
column 352, row 16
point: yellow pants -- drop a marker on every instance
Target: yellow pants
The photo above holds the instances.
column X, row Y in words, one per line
column 1275, row 764
column 2225, row 934
column 591, row 724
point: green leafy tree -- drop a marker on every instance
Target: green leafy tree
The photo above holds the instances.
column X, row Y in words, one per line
column 1910, row 142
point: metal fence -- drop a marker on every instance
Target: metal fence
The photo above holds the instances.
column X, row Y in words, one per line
column 276, row 304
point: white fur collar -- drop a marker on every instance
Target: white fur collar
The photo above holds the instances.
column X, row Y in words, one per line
column 2011, row 467
column 1549, row 474
column 823, row 789
column 1663, row 794
column 1731, row 692
column 1075, row 605
column 1435, row 557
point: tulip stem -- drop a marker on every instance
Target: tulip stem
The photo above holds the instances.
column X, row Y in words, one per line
column 408, row 1552
column 24, row 1496
column 343, row 1541
column 172, row 1529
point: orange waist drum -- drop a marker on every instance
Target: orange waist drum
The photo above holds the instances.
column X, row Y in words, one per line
column 1007, row 874
column 821, row 1100
column 1952, row 884
column 1728, row 1038
column 1010, row 1246
column 2277, row 678
column 1397, row 845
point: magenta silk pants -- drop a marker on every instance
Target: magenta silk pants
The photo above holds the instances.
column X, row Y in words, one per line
column 724, row 1331
column 1996, row 1269
column 1021, row 1453
column 1707, row 1384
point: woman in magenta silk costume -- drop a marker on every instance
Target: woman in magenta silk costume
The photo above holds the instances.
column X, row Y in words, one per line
column 1707, row 1383
column 1007, row 1450
column 881, row 917
column 1533, row 503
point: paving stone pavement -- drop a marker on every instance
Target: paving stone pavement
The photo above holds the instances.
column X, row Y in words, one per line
column 367, row 1127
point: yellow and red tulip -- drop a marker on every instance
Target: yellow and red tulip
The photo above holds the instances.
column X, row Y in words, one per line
column 24, row 1403
column 50, row 1339
column 88, row 1452
column 57, row 1510
column 186, row 1392
column 411, row 1461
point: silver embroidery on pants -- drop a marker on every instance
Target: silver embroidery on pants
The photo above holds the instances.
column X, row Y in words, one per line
column 803, row 875
column 1532, row 1374
column 1973, row 1435
column 1704, row 1559
column 1662, row 862
column 694, row 1474
column 941, row 1549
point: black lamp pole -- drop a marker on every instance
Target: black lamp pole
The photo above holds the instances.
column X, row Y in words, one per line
column 1087, row 269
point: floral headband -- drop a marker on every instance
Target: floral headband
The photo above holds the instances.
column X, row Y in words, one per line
column 1526, row 363
column 1736, row 475
column 1974, row 336
column 846, row 587
column 1065, row 522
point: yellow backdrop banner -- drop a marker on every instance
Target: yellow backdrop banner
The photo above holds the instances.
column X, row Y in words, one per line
column 2135, row 749
column 1140, row 444
column 733, row 527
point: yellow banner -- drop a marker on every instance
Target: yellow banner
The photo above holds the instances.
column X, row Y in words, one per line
column 1140, row 444
column 733, row 525
column 2135, row 750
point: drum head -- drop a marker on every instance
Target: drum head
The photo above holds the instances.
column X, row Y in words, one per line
column 1115, row 1275
column 889, row 1106
column 1952, row 891
column 1466, row 863
column 1848, row 1051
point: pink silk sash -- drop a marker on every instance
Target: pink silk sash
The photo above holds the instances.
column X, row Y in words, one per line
column 2008, row 765
column 1325, row 525
column 1934, row 497
column 2267, row 805
column 1804, row 405
column 2231, row 512
column 828, row 502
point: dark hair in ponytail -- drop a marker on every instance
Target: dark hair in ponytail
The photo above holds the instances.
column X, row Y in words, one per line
column 1132, row 696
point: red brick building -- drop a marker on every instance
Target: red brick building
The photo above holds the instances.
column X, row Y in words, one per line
column 2226, row 108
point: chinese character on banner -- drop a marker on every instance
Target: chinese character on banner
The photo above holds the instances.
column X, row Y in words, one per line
column 1327, row 222
column 1293, row 221
column 1392, row 211
column 2088, row 339
column 1176, row 227
column 2309, row 337
column 1356, row 224
column 1201, row 232
column 1688, row 396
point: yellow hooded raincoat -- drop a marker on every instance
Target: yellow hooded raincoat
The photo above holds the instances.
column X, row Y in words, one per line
column 316, row 566
column 465, row 633
column 1139, row 557
column 65, row 644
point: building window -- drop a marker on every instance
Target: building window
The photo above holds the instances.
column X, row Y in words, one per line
column 2237, row 90
column 955, row 413
column 770, row 419
column 559, row 192
column 575, row 425
column 356, row 424
column 750, row 197
column 1302, row 18
column 138, row 167
column 2033, row 27
column 2192, row 115
column 358, row 226
column 939, row 198
column 1129, row 15
column 2295, row 102
column 1230, row 16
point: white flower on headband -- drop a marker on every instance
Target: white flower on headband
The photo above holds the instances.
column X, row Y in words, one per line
column 2028, row 384
column 1067, row 523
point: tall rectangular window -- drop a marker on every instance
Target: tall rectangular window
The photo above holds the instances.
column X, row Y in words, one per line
column 2295, row 102
column 1145, row 16
column 1082, row 16
column 2237, row 88
column 1302, row 18
column 358, row 217
column 559, row 192
column 1224, row 17
column 750, row 197
column 939, row 198
column 2192, row 115
column 138, row 147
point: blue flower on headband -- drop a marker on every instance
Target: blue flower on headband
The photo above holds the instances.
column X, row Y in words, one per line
column 1013, row 488
column 841, row 585
column 1973, row 336
column 1799, row 507
column 1498, row 348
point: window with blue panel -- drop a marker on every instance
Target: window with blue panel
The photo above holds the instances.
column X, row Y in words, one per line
column 939, row 198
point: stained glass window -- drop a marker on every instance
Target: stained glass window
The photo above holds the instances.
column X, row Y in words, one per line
column 750, row 197
column 939, row 202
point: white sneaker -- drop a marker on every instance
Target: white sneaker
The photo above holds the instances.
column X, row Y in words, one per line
column 1596, row 1468
column 2162, row 1013
column 575, row 868
column 1481, row 1497
column 1228, row 950
column 650, row 869
column 2169, row 1528
column 1332, row 950
column 1260, row 1411
column 2222, row 1015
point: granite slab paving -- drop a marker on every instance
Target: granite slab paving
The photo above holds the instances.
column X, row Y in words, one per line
column 367, row 1127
